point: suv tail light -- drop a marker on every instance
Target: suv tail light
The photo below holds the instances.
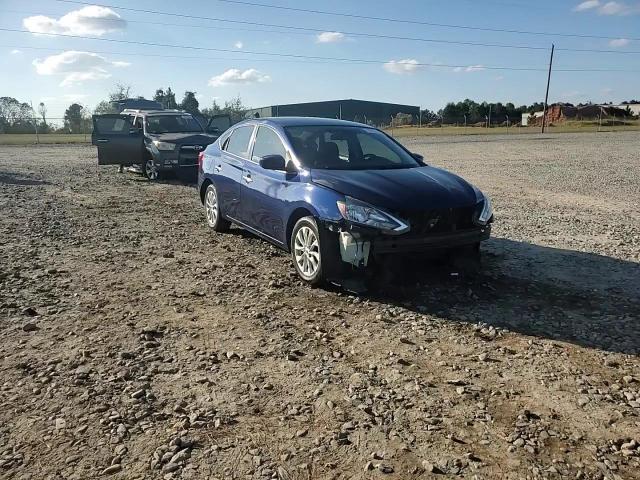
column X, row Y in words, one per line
column 200, row 159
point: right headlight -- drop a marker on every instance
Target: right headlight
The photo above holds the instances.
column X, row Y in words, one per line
column 487, row 211
column 361, row 213
column 164, row 145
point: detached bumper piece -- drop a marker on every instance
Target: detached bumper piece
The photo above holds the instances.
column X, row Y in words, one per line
column 408, row 244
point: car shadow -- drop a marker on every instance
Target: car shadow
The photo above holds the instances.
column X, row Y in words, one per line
column 582, row 298
column 9, row 178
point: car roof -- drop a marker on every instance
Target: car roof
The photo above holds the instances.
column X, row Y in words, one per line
column 306, row 122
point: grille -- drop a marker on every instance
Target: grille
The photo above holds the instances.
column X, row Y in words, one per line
column 439, row 220
column 189, row 154
column 192, row 148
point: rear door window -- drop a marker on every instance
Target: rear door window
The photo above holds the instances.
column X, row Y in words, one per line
column 238, row 143
column 112, row 124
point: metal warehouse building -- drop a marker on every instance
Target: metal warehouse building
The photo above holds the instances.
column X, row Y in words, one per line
column 373, row 113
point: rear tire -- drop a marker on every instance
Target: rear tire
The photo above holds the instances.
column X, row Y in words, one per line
column 306, row 251
column 212, row 211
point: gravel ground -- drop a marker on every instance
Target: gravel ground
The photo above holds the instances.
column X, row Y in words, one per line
column 137, row 344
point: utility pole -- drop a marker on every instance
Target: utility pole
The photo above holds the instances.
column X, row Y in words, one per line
column 35, row 122
column 546, row 97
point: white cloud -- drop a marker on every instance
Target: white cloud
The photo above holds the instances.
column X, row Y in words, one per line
column 619, row 42
column 608, row 8
column 234, row 76
column 588, row 5
column 613, row 8
column 15, row 51
column 76, row 67
column 90, row 20
column 400, row 67
column 469, row 69
column 330, row 37
column 238, row 45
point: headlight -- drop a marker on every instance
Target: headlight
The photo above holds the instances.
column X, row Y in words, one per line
column 163, row 145
column 362, row 213
column 487, row 211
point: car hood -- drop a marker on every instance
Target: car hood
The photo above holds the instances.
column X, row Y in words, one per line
column 184, row 138
column 401, row 189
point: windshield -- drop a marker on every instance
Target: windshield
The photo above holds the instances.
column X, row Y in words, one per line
column 172, row 124
column 347, row 148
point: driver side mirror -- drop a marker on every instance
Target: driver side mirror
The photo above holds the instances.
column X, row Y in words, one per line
column 273, row 162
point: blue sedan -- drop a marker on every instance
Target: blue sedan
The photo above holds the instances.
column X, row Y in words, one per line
column 339, row 196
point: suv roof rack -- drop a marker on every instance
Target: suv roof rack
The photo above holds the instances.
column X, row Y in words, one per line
column 153, row 110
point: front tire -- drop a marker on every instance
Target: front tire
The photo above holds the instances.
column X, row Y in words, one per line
column 212, row 210
column 306, row 251
column 150, row 170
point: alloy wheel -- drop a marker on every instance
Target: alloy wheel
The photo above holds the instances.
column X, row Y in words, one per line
column 211, row 207
column 307, row 252
column 150, row 170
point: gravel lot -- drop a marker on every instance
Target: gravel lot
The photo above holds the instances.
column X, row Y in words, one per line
column 135, row 343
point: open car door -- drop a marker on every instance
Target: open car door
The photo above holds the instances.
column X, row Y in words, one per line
column 118, row 141
column 218, row 124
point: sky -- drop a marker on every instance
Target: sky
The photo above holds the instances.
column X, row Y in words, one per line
column 268, row 65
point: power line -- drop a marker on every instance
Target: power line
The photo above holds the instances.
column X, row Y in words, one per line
column 305, row 30
column 307, row 57
column 188, row 57
column 363, row 17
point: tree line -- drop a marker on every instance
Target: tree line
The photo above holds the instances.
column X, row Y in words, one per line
column 21, row 117
column 471, row 112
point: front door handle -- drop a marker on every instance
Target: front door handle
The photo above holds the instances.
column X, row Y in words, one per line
column 247, row 178
column 103, row 140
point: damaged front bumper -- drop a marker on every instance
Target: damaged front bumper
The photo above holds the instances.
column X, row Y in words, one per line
column 356, row 246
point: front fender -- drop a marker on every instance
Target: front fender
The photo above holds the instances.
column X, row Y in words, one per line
column 320, row 201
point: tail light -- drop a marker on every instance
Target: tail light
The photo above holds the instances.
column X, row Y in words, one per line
column 200, row 160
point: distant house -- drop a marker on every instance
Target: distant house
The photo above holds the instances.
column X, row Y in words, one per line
column 373, row 113
column 634, row 108
column 530, row 118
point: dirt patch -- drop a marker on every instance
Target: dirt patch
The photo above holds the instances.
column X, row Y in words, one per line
column 137, row 344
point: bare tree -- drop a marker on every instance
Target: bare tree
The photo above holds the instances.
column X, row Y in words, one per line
column 42, row 110
column 120, row 92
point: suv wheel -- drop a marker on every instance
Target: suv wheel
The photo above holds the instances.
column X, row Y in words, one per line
column 150, row 170
column 212, row 210
column 306, row 251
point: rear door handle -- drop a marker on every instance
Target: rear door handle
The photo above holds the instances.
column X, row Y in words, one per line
column 247, row 178
column 103, row 140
